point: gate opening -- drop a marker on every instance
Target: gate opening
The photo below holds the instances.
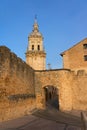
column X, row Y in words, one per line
column 51, row 96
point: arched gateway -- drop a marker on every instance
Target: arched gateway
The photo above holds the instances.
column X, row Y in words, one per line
column 52, row 86
column 51, row 96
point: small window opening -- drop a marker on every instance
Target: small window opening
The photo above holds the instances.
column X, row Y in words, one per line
column 32, row 47
column 85, row 46
column 85, row 58
column 38, row 47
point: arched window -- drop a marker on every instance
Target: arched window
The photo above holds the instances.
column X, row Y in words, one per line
column 38, row 47
column 32, row 47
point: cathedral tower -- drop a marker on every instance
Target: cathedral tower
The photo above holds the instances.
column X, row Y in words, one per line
column 35, row 55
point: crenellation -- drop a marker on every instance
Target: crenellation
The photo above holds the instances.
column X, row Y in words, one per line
column 79, row 73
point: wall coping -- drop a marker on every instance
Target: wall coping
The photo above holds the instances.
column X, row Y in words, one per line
column 53, row 70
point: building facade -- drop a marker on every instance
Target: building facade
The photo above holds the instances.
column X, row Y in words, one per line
column 75, row 58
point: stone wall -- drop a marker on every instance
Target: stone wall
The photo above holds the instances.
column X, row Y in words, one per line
column 16, row 82
column 79, row 90
column 11, row 109
column 15, row 75
column 59, row 79
column 72, row 88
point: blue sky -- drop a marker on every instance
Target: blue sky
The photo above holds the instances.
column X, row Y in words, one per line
column 63, row 23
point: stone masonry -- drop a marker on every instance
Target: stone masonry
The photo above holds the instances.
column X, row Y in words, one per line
column 17, row 89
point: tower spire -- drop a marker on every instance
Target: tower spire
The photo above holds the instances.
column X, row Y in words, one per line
column 35, row 26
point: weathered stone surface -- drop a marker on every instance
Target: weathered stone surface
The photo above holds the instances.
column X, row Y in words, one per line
column 16, row 78
column 59, row 79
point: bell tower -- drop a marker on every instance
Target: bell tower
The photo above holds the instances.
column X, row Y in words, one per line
column 35, row 54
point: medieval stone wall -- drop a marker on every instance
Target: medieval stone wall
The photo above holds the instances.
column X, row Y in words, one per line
column 16, row 83
column 59, row 79
column 15, row 75
column 79, row 90
column 11, row 109
column 72, row 88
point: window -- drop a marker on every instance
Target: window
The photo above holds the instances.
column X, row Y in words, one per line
column 32, row 47
column 38, row 47
column 85, row 58
column 85, row 46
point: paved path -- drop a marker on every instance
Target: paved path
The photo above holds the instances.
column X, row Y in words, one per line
column 43, row 120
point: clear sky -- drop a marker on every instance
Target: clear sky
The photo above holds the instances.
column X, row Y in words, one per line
column 63, row 23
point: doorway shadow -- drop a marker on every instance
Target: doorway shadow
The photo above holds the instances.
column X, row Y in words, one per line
column 51, row 97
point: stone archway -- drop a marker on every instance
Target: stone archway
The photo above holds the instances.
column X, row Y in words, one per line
column 51, row 96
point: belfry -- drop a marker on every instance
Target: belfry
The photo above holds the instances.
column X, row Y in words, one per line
column 35, row 55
